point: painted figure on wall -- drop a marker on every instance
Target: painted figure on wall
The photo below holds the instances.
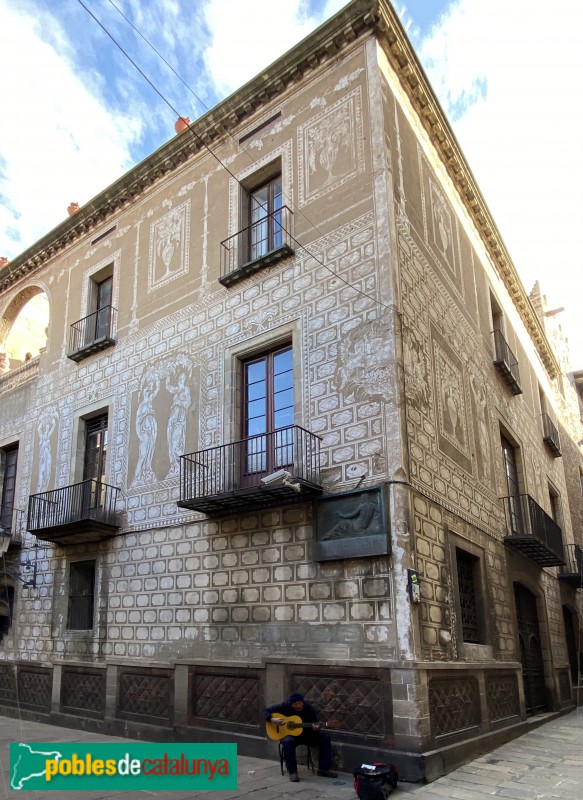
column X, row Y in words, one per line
column 480, row 401
column 45, row 460
column 176, row 428
column 168, row 238
column 415, row 358
column 147, row 431
column 452, row 404
column 168, row 252
column 330, row 147
column 442, row 221
column 364, row 362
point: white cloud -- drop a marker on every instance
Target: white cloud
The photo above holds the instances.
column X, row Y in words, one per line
column 248, row 36
column 509, row 75
column 59, row 141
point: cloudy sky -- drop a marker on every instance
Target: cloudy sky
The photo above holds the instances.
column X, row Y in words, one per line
column 76, row 114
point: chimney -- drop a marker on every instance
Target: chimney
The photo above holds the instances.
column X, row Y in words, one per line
column 3, row 261
column 181, row 124
column 72, row 208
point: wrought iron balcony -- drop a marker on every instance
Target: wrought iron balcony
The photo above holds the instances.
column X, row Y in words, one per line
column 506, row 363
column 12, row 525
column 256, row 246
column 271, row 469
column 551, row 436
column 532, row 531
column 92, row 333
column 83, row 512
column 572, row 571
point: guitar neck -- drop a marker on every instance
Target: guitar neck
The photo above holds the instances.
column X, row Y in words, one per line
column 278, row 727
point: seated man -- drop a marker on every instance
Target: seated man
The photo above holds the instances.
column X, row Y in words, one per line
column 311, row 735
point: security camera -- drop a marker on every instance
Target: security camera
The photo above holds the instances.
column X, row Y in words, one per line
column 280, row 476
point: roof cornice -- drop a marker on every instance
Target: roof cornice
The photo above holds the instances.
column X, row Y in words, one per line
column 205, row 132
column 349, row 24
column 413, row 79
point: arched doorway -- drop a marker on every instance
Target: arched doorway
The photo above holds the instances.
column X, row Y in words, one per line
column 531, row 655
column 23, row 328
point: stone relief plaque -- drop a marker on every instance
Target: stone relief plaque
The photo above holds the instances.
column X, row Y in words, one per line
column 351, row 525
column 330, row 148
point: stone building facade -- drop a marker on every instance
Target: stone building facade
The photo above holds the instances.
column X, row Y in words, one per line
column 296, row 426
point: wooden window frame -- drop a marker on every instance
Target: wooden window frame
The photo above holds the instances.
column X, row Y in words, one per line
column 482, row 650
column 273, row 448
column 81, row 597
column 6, row 508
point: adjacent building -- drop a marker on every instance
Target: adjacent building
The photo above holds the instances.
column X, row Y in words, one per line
column 294, row 424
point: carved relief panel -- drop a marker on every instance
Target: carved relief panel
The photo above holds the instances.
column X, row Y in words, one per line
column 169, row 251
column 330, row 147
column 162, row 414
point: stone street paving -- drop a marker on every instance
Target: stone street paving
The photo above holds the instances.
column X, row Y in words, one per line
column 546, row 762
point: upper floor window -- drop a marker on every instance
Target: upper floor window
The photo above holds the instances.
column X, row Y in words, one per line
column 550, row 433
column 95, row 331
column 496, row 315
column 504, row 359
column 554, row 505
column 510, row 466
column 95, row 448
column 268, row 411
column 103, row 295
column 8, row 466
column 264, row 232
column 513, row 487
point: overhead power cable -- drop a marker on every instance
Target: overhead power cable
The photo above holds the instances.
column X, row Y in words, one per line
column 199, row 139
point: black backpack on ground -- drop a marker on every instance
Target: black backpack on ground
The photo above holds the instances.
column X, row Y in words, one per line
column 375, row 781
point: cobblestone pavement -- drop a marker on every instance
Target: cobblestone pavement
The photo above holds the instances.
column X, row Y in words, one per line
column 546, row 762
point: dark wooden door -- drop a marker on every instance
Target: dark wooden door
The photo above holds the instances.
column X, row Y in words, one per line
column 569, row 620
column 531, row 655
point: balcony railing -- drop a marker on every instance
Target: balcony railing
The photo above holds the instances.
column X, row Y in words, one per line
column 256, row 246
column 572, row 571
column 275, row 468
column 532, row 531
column 92, row 333
column 506, row 363
column 82, row 512
column 551, row 436
column 12, row 521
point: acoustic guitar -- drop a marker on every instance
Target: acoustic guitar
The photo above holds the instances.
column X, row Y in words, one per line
column 281, row 726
